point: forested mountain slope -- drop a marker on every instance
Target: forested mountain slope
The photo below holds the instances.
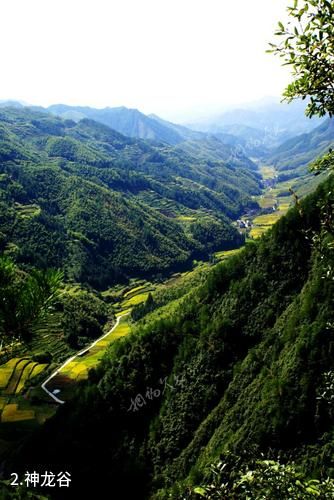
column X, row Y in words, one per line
column 238, row 362
column 292, row 157
column 103, row 206
column 129, row 122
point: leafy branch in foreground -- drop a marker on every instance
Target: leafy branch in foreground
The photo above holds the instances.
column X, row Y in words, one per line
column 323, row 164
column 308, row 47
column 24, row 298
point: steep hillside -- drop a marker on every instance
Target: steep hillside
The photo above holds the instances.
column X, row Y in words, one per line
column 130, row 122
column 110, row 204
column 213, row 148
column 236, row 361
column 292, row 157
column 184, row 132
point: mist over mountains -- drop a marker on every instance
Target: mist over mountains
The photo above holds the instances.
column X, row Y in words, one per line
column 141, row 217
column 269, row 130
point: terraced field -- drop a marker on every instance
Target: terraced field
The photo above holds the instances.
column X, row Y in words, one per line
column 225, row 254
column 6, row 371
column 78, row 365
column 78, row 368
column 29, row 372
column 134, row 300
column 16, row 372
column 275, row 197
column 11, row 413
column 13, row 376
column 133, row 291
column 267, row 171
column 48, row 337
column 165, row 206
column 263, row 222
column 16, row 404
column 27, row 211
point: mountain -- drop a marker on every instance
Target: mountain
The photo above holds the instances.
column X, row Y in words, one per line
column 230, row 369
column 133, row 123
column 185, row 133
column 12, row 104
column 292, row 157
column 262, row 125
column 104, row 207
column 129, row 122
column 213, row 148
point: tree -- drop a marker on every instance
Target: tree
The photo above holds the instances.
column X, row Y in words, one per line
column 24, row 298
column 308, row 47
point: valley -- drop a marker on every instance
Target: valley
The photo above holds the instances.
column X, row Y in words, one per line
column 275, row 200
column 167, row 250
column 157, row 243
column 31, row 391
column 222, row 316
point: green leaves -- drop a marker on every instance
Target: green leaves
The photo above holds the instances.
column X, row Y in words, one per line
column 200, row 491
column 261, row 479
column 308, row 46
column 323, row 163
column 24, row 298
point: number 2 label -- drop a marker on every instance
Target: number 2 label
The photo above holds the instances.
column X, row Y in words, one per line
column 14, row 481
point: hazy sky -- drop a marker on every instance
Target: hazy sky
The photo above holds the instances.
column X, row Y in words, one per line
column 164, row 56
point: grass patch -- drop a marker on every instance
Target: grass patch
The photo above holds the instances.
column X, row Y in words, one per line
column 267, row 219
column 185, row 218
column 135, row 290
column 256, row 232
column 133, row 301
column 267, row 200
column 225, row 254
column 267, row 171
column 284, row 204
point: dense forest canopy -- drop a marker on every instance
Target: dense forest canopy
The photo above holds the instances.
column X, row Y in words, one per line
column 204, row 353
column 104, row 207
column 222, row 386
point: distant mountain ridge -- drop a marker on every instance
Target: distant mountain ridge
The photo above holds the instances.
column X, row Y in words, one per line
column 270, row 131
column 129, row 122
column 266, row 123
column 255, row 130
column 112, row 206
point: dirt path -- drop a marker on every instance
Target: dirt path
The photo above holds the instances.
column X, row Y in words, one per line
column 79, row 353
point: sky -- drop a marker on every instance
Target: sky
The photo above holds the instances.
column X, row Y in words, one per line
column 175, row 58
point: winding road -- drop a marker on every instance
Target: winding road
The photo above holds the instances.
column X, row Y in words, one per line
column 79, row 353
